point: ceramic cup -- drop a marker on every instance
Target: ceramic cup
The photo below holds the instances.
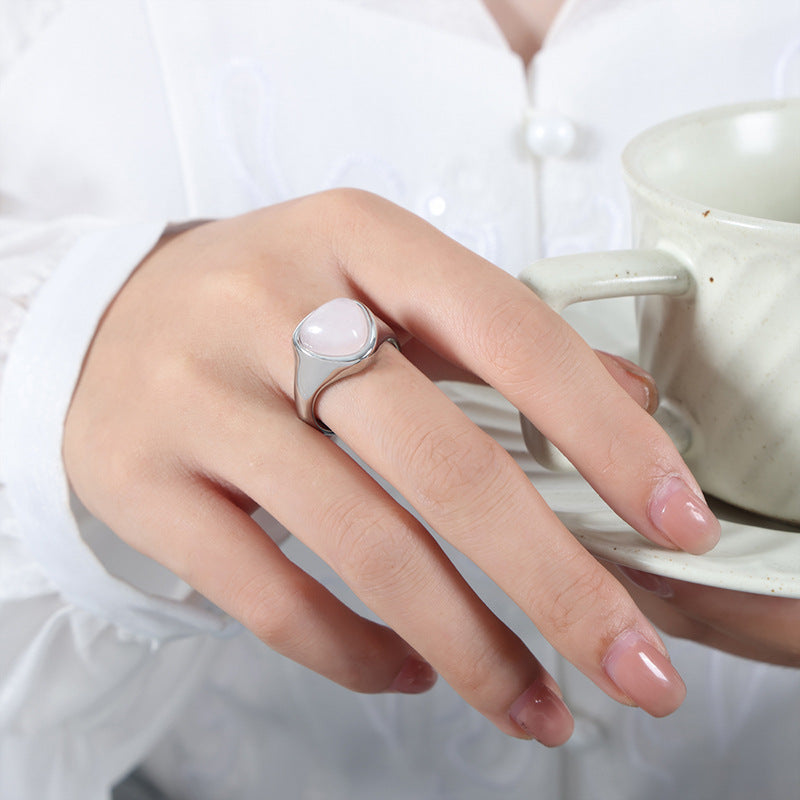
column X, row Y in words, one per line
column 716, row 222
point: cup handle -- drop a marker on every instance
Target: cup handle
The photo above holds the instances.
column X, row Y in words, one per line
column 564, row 280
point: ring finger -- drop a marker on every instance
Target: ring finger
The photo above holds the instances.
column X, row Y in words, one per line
column 395, row 567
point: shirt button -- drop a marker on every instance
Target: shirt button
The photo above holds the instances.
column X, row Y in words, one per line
column 548, row 134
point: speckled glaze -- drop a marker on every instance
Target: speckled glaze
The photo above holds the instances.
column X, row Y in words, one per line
column 716, row 220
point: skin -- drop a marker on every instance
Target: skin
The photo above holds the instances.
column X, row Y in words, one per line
column 182, row 423
column 753, row 626
column 759, row 627
column 524, row 23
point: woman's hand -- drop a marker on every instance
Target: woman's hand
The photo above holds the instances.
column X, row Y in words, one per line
column 761, row 627
column 183, row 423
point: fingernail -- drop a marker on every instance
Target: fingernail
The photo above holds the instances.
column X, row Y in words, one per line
column 647, row 581
column 683, row 517
column 644, row 674
column 415, row 676
column 644, row 380
column 540, row 713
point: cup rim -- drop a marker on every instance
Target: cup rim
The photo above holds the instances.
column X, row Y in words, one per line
column 633, row 157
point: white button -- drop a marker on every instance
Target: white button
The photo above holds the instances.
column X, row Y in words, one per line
column 549, row 135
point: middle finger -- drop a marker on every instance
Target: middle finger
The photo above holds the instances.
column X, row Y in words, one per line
column 468, row 489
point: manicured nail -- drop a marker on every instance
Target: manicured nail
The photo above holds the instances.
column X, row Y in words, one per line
column 644, row 674
column 649, row 582
column 541, row 713
column 683, row 517
column 415, row 676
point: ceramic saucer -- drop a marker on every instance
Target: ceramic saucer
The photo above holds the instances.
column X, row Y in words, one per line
column 754, row 554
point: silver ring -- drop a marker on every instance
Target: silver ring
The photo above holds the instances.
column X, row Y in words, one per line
column 338, row 339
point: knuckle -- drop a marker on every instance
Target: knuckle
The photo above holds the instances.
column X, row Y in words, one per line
column 237, row 291
column 577, row 601
column 641, row 458
column 477, row 673
column 356, row 223
column 523, row 339
column 349, row 200
column 375, row 554
column 348, row 211
column 454, row 469
column 273, row 614
column 615, row 453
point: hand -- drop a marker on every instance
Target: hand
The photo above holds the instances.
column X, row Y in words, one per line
column 183, row 423
column 760, row 627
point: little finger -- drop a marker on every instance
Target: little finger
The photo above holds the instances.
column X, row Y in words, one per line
column 217, row 548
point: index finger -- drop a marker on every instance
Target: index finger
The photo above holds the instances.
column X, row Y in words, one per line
column 477, row 316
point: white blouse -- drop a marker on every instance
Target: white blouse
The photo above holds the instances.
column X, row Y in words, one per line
column 119, row 118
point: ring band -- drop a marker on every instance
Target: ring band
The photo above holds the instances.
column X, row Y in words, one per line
column 338, row 339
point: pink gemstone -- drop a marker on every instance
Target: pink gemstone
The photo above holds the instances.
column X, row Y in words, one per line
column 337, row 329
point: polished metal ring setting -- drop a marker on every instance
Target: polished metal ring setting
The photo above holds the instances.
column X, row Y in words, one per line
column 338, row 339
